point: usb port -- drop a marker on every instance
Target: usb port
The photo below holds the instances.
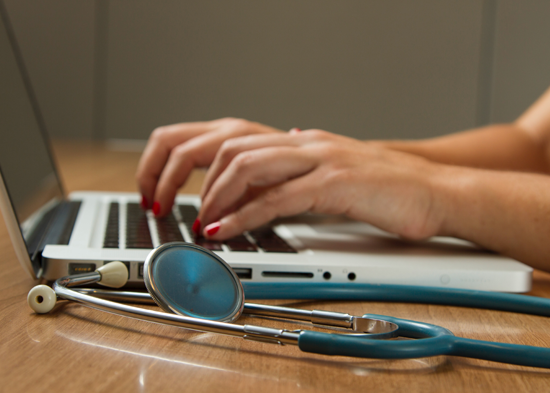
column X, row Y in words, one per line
column 243, row 273
column 140, row 270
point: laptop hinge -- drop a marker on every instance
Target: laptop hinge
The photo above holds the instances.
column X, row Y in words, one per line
column 56, row 228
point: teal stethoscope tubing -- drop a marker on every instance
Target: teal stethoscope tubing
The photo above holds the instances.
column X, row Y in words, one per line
column 432, row 340
column 400, row 293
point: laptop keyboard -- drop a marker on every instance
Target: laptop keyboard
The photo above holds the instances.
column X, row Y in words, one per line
column 138, row 234
column 111, row 232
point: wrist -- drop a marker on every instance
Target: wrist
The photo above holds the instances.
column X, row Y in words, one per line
column 454, row 191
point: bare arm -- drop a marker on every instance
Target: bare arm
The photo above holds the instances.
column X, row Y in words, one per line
column 505, row 211
column 508, row 212
column 520, row 146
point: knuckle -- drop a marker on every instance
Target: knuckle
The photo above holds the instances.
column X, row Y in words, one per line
column 180, row 150
column 325, row 151
column 239, row 123
column 244, row 161
column 236, row 125
column 225, row 119
column 319, row 134
column 160, row 133
column 228, row 149
column 273, row 197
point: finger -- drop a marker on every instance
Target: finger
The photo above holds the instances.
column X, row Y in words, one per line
column 197, row 152
column 290, row 198
column 232, row 147
column 203, row 144
column 261, row 167
column 157, row 151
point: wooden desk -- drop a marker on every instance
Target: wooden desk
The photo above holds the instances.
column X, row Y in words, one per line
column 79, row 349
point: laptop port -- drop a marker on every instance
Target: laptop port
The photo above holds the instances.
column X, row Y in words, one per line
column 80, row 268
column 140, row 270
column 243, row 273
column 273, row 274
column 352, row 276
column 327, row 275
column 127, row 266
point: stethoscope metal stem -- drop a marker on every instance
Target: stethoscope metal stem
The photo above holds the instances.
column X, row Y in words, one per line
column 251, row 332
column 381, row 328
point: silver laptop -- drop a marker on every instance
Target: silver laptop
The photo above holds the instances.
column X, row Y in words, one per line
column 55, row 235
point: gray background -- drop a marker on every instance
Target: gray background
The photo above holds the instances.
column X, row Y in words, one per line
column 369, row 69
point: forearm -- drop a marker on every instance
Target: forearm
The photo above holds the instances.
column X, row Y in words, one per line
column 501, row 147
column 503, row 211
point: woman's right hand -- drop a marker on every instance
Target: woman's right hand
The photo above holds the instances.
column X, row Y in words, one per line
column 257, row 178
column 173, row 151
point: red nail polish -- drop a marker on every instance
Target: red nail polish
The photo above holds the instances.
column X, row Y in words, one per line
column 144, row 203
column 196, row 226
column 212, row 229
column 156, row 208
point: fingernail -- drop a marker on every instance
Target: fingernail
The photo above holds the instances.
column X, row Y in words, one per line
column 144, row 203
column 213, row 228
column 156, row 208
column 295, row 130
column 196, row 226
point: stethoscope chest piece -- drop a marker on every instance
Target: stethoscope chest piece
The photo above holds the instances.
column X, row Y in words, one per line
column 192, row 281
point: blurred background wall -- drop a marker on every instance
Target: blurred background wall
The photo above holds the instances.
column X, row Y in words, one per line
column 116, row 69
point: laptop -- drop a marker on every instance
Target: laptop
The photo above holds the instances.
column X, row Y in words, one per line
column 55, row 235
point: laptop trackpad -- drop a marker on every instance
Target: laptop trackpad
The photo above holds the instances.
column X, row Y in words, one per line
column 343, row 235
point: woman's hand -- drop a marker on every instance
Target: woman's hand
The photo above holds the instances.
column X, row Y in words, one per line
column 173, row 151
column 257, row 178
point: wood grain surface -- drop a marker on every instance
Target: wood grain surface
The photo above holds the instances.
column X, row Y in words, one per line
column 77, row 349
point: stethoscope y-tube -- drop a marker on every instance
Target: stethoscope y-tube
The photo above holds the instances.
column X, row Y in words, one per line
column 199, row 291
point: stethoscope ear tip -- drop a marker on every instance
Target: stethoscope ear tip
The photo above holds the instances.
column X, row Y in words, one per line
column 41, row 299
column 113, row 274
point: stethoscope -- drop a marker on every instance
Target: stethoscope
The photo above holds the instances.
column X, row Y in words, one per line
column 198, row 290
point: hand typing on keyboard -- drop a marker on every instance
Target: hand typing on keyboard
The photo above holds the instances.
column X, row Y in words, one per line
column 173, row 151
column 258, row 173
column 488, row 185
column 316, row 171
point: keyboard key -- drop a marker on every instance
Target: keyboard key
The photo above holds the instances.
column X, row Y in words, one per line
column 168, row 230
column 240, row 243
column 212, row 245
column 137, row 228
column 188, row 214
column 111, row 231
column 269, row 241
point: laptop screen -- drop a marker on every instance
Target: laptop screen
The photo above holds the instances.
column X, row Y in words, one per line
column 25, row 162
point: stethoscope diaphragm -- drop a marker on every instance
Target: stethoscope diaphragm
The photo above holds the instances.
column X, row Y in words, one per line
column 192, row 281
